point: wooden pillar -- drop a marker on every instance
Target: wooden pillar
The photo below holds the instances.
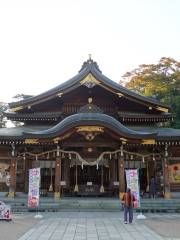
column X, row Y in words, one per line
column 167, row 193
column 12, row 187
column 28, row 165
column 121, row 176
column 57, row 187
column 67, row 172
column 112, row 172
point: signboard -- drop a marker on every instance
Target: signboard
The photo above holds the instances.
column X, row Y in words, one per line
column 116, row 183
column 63, row 183
column 133, row 183
column 5, row 212
column 34, row 184
column 174, row 173
column 89, row 183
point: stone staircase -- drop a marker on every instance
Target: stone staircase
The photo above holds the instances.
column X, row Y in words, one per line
column 91, row 204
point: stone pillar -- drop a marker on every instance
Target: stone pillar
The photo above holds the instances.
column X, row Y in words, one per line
column 12, row 187
column 167, row 193
column 121, row 176
column 57, row 187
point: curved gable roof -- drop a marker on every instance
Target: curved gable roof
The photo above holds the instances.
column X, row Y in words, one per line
column 84, row 119
column 89, row 67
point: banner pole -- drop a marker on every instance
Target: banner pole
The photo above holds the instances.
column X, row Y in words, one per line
column 140, row 216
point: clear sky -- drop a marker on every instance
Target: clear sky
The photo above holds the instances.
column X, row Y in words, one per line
column 44, row 43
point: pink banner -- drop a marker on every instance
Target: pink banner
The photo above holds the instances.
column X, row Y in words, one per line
column 34, row 183
column 132, row 181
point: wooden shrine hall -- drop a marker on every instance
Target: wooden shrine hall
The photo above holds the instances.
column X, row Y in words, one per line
column 84, row 134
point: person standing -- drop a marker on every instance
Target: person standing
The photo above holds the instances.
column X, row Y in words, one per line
column 128, row 202
column 152, row 188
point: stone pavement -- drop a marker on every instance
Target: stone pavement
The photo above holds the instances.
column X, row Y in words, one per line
column 89, row 226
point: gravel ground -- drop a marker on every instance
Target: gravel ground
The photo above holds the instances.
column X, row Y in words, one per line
column 16, row 228
column 167, row 228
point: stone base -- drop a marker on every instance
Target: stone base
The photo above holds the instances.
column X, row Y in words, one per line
column 121, row 194
column 167, row 195
column 11, row 194
column 57, row 195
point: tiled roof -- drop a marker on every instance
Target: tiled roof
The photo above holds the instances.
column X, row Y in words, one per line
column 89, row 67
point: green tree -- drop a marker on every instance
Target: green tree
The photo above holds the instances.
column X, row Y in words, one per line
column 161, row 81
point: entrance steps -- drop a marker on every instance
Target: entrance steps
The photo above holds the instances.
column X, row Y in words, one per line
column 92, row 204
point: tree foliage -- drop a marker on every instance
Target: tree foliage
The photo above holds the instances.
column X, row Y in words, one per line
column 160, row 81
column 3, row 107
column 22, row 96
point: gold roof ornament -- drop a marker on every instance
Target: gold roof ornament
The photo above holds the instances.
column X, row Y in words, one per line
column 31, row 141
column 124, row 140
column 89, row 132
column 148, row 141
column 16, row 108
column 90, row 129
column 120, row 95
column 57, row 139
column 90, row 81
column 162, row 109
column 60, row 94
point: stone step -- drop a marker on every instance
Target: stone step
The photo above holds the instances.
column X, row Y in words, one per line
column 92, row 204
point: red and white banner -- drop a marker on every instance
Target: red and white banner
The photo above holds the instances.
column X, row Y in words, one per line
column 34, row 184
column 132, row 181
column 174, row 173
column 5, row 212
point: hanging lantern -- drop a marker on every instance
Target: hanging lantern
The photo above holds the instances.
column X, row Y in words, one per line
column 97, row 166
column 51, row 186
column 13, row 150
column 166, row 151
column 121, row 150
column 58, row 152
column 76, row 188
column 153, row 158
column 82, row 165
column 102, row 181
column 102, row 189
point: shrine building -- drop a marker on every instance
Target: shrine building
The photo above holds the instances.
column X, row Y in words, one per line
column 84, row 134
